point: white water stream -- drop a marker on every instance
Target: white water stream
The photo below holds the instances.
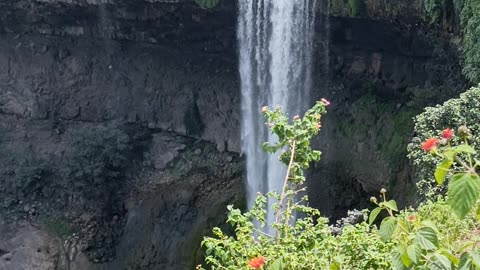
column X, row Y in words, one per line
column 275, row 38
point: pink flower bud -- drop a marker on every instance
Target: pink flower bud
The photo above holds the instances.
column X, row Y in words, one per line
column 325, row 101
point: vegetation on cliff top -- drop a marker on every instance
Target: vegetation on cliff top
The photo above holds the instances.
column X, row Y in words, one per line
column 206, row 4
column 469, row 13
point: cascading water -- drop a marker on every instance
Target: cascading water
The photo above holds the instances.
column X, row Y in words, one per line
column 275, row 38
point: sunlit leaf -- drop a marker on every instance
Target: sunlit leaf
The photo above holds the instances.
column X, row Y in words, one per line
column 414, row 252
column 463, row 148
column 475, row 257
column 397, row 260
column 373, row 215
column 450, row 256
column 387, row 228
column 440, row 262
column 276, row 265
column 392, row 205
column 406, row 260
column 426, row 238
column 463, row 193
column 442, row 171
column 465, row 262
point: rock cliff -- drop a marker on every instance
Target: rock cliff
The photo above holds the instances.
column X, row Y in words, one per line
column 154, row 84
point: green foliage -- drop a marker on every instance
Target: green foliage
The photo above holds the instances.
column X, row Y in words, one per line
column 307, row 244
column 464, row 110
column 432, row 237
column 417, row 243
column 58, row 225
column 207, row 4
column 355, row 7
column 24, row 172
column 29, row 172
column 434, row 9
column 437, row 235
column 304, row 243
column 96, row 156
column 469, row 11
column 458, row 161
column 471, row 39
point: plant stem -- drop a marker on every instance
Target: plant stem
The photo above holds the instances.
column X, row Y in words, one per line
column 465, row 165
column 285, row 184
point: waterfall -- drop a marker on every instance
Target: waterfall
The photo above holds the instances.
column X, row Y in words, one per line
column 275, row 41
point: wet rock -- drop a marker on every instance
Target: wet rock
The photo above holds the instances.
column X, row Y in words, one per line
column 27, row 249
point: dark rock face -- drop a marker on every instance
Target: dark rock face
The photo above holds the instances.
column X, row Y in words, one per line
column 165, row 74
column 75, row 66
column 97, row 81
column 172, row 209
column 382, row 74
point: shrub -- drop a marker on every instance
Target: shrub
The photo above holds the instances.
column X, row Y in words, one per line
column 469, row 13
column 431, row 237
column 58, row 225
column 207, row 4
column 471, row 39
column 355, row 7
column 434, row 9
column 24, row 171
column 96, row 157
column 464, row 110
column 419, row 243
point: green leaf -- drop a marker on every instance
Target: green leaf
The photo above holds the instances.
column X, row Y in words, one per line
column 441, row 263
column 475, row 257
column 463, row 148
column 373, row 215
column 406, row 260
column 430, row 224
column 449, row 255
column 397, row 260
column 387, row 228
column 335, row 266
column 276, row 265
column 450, row 154
column 442, row 170
column 426, row 238
column 463, row 193
column 465, row 262
column 392, row 205
column 414, row 252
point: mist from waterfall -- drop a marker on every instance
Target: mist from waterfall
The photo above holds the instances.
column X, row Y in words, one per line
column 275, row 41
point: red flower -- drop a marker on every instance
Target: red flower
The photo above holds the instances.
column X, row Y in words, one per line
column 447, row 134
column 412, row 218
column 430, row 144
column 325, row 101
column 257, row 262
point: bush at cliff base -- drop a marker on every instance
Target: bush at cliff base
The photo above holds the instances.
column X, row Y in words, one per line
column 462, row 111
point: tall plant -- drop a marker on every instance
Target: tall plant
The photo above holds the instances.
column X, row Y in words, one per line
column 298, row 243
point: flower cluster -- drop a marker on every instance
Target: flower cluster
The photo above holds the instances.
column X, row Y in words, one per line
column 430, row 144
column 257, row 262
